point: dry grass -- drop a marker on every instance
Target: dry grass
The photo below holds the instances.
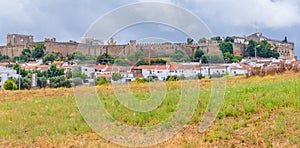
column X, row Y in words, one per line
column 257, row 112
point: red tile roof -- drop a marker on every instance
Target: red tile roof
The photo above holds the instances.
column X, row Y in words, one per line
column 104, row 75
column 100, row 66
column 153, row 67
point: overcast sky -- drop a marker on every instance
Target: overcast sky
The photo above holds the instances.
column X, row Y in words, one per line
column 70, row 19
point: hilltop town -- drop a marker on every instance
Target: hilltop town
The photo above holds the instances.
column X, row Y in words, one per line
column 37, row 64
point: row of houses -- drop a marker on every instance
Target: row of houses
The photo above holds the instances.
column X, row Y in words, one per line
column 130, row 73
column 162, row 72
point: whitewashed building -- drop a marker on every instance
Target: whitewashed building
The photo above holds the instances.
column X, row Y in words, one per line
column 7, row 73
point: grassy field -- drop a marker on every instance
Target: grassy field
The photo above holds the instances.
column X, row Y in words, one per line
column 257, row 112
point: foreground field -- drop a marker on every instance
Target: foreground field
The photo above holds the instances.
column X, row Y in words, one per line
column 257, row 112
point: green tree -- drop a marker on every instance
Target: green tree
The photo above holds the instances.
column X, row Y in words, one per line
column 263, row 49
column 76, row 56
column 217, row 38
column 237, row 59
column 202, row 40
column 49, row 57
column 178, row 56
column 42, row 82
column 190, row 40
column 22, row 72
column 229, row 39
column 10, row 85
column 116, row 76
column 228, row 56
column 204, row 58
column 38, row 51
column 226, row 47
column 251, row 48
column 60, row 81
column 198, row 55
column 25, row 83
column 26, row 55
column 53, row 71
column 3, row 57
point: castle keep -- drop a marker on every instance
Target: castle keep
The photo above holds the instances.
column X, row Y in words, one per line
column 16, row 43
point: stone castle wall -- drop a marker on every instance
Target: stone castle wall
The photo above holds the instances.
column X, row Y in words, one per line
column 66, row 48
column 11, row 51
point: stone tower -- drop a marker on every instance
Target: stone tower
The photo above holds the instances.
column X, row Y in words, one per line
column 132, row 46
column 19, row 40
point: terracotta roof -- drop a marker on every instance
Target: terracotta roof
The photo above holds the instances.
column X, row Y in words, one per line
column 100, row 66
column 198, row 68
column 4, row 64
column 153, row 67
column 235, row 67
column 104, row 75
column 41, row 67
column 117, row 68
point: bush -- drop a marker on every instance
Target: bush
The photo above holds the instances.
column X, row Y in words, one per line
column 61, row 81
column 140, row 80
column 25, row 83
column 116, row 76
column 10, row 85
column 102, row 81
column 41, row 82
column 216, row 75
column 77, row 81
column 152, row 78
column 172, row 78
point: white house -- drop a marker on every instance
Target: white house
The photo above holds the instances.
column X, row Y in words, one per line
column 161, row 71
column 185, row 69
column 6, row 73
column 88, row 70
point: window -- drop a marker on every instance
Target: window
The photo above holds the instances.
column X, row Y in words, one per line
column 85, row 69
column 234, row 72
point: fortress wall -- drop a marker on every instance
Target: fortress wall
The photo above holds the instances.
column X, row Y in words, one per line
column 11, row 51
column 64, row 48
column 239, row 49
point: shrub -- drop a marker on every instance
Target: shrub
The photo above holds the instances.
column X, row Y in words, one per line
column 77, row 81
column 140, row 80
column 42, row 82
column 116, row 76
column 102, row 81
column 10, row 85
column 61, row 81
column 172, row 78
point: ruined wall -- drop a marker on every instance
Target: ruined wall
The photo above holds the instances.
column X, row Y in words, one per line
column 19, row 40
column 11, row 51
column 239, row 49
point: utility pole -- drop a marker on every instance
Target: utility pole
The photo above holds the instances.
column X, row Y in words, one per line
column 256, row 46
column 19, row 74
column 255, row 52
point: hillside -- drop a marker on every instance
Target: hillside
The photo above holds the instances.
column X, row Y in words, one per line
column 257, row 112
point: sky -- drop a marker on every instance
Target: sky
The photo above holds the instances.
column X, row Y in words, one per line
column 70, row 19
